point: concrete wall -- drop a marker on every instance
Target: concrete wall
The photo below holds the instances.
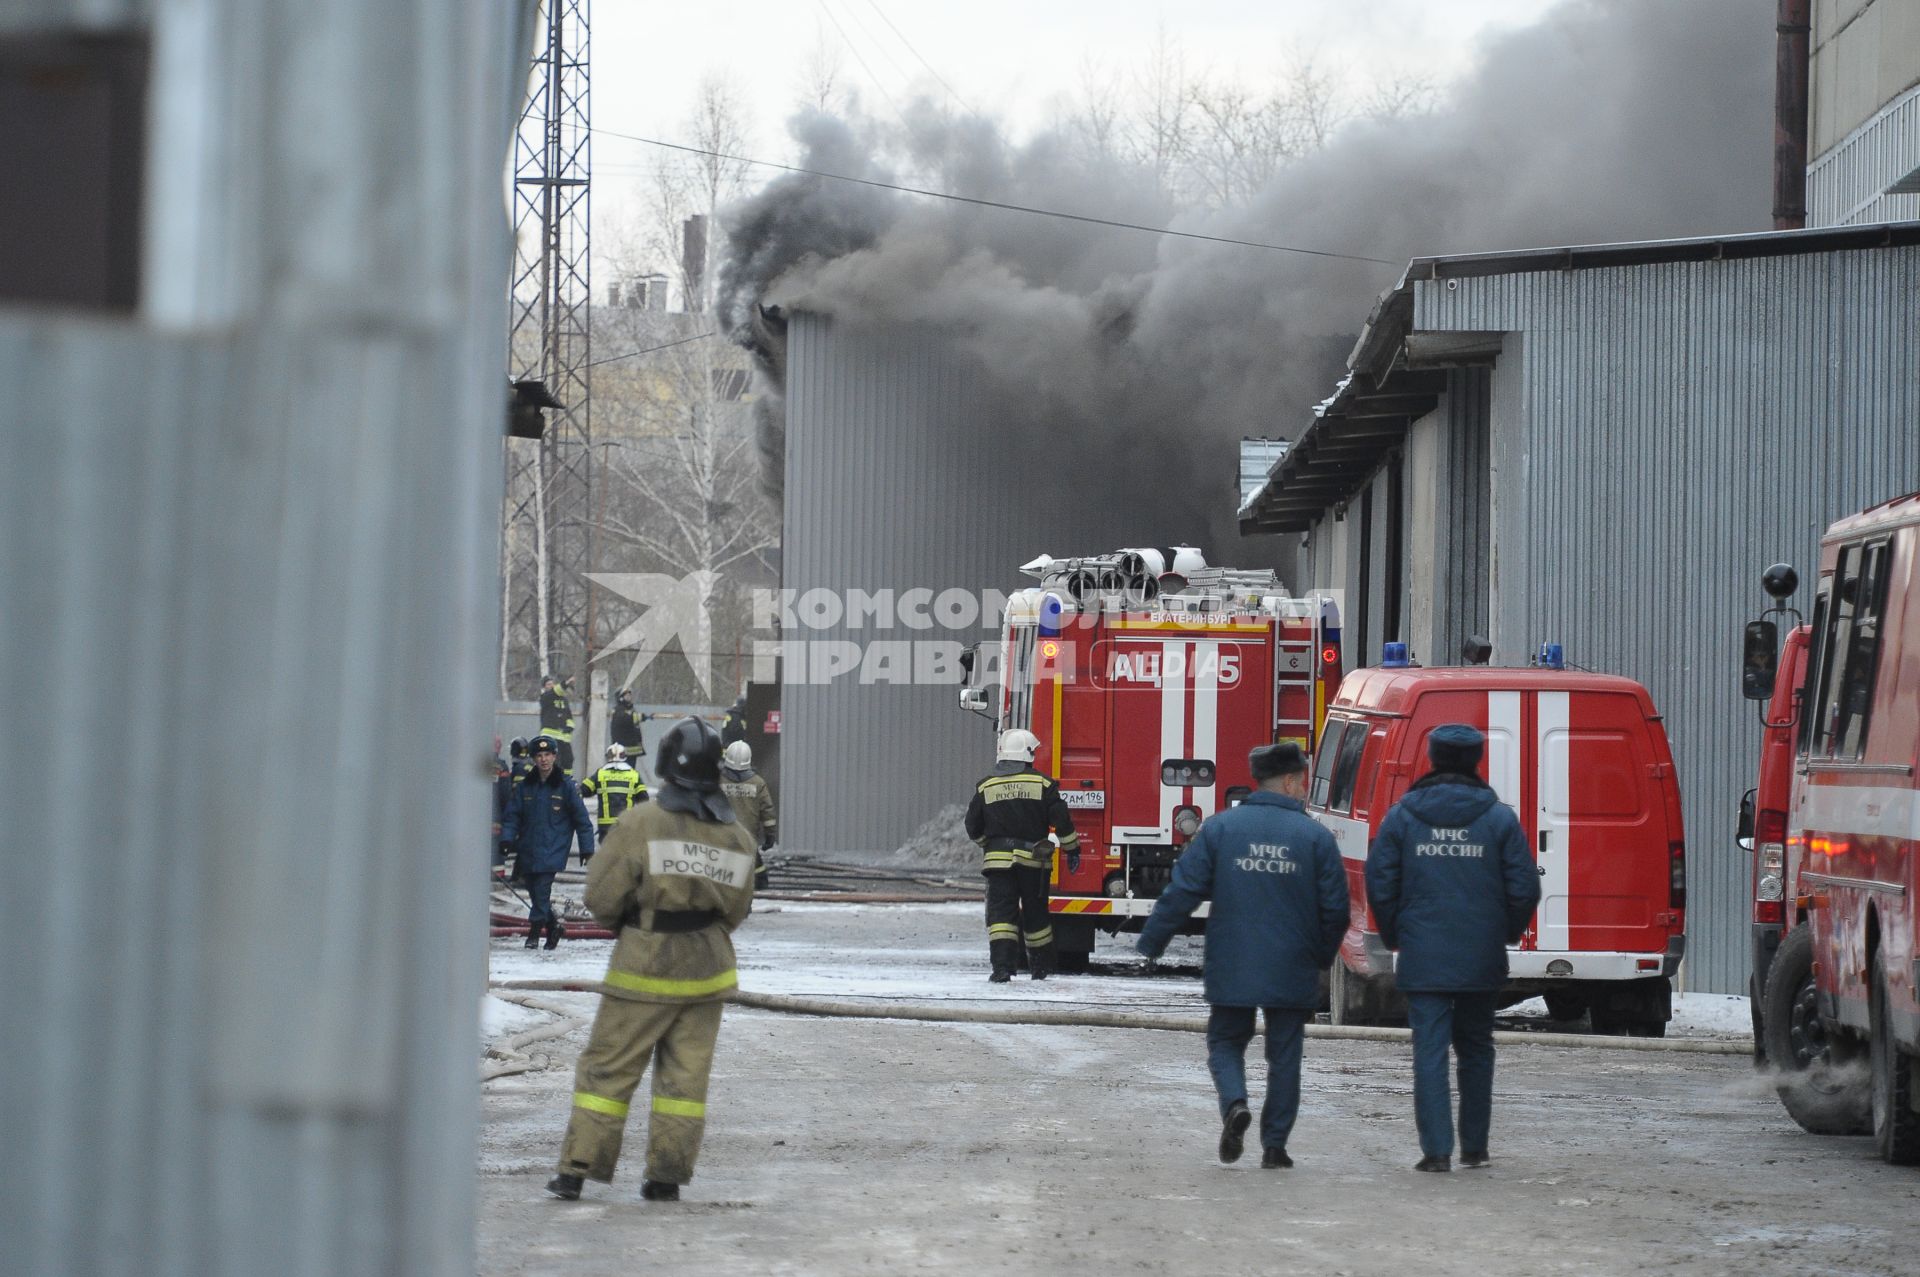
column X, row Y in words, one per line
column 247, row 553
column 1864, row 111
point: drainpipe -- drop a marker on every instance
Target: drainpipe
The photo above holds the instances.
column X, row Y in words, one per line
column 1792, row 27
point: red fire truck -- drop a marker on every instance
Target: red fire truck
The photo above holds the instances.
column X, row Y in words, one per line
column 1583, row 761
column 1147, row 687
column 1840, row 1011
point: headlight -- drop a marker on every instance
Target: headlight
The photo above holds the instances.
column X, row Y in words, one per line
column 1186, row 821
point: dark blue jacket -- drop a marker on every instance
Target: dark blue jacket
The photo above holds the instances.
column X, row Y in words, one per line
column 1451, row 885
column 1279, row 896
column 542, row 819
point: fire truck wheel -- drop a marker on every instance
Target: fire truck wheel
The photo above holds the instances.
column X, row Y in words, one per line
column 1819, row 1080
column 1565, row 1006
column 1347, row 1001
column 1896, row 1127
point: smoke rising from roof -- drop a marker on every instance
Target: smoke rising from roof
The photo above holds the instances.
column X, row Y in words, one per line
column 1607, row 120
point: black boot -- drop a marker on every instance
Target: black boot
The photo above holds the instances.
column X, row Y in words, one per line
column 565, row 1187
column 1434, row 1162
column 1233, row 1131
column 533, row 934
column 554, row 932
column 655, row 1190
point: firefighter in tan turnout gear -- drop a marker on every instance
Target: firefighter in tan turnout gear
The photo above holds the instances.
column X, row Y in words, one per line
column 752, row 803
column 1010, row 816
column 673, row 880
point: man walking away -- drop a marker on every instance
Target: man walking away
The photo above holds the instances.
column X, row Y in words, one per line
column 544, row 815
column 618, row 786
column 674, row 881
column 752, row 803
column 1452, row 885
column 1279, row 893
column 1010, row 815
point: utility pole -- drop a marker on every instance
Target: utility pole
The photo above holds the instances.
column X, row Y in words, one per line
column 547, row 614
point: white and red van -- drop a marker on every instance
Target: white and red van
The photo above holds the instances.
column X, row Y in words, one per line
column 1583, row 761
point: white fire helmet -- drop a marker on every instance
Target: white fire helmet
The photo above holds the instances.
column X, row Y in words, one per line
column 615, row 753
column 738, row 756
column 1018, row 745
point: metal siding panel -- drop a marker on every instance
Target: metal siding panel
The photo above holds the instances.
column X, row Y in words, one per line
column 1685, row 424
column 1847, row 185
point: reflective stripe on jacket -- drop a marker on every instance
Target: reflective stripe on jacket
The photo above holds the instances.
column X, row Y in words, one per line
column 657, row 859
column 1011, row 814
column 618, row 787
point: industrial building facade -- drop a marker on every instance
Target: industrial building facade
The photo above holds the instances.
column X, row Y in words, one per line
column 1863, row 112
column 1602, row 448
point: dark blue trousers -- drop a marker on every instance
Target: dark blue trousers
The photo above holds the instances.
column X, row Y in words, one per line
column 540, row 899
column 1463, row 1021
column 1229, row 1029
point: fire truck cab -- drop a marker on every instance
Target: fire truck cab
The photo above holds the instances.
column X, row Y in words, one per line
column 1842, row 994
column 1583, row 761
column 1148, row 688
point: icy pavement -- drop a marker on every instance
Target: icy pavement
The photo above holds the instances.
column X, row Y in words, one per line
column 937, row 953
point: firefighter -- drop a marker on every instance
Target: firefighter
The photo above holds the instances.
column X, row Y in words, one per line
column 1009, row 817
column 618, row 787
column 517, row 759
column 1279, row 893
column 556, row 717
column 1451, row 884
column 752, row 803
column 735, row 726
column 544, row 816
column 624, row 729
column 676, row 879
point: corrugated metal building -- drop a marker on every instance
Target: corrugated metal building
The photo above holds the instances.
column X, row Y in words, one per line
column 899, row 477
column 1603, row 447
column 248, row 519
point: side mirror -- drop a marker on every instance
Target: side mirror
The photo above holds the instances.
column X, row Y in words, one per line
column 974, row 700
column 1760, row 660
column 966, row 663
column 1743, row 827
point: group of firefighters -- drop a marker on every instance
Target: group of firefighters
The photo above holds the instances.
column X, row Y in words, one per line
column 1448, row 879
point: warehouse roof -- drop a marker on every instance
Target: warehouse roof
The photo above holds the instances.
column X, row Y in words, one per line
column 1395, row 376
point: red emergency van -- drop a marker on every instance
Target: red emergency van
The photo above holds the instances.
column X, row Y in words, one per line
column 1583, row 761
column 1852, row 854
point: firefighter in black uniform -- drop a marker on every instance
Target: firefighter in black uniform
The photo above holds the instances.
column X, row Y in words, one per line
column 624, row 729
column 556, row 717
column 1010, row 816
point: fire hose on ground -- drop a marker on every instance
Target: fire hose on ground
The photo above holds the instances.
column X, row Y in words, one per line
column 1135, row 1020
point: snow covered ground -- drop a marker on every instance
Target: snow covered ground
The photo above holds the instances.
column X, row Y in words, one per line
column 937, row 953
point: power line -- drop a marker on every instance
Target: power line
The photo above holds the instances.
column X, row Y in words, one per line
column 847, row 40
column 1005, row 207
column 649, row 350
column 951, row 91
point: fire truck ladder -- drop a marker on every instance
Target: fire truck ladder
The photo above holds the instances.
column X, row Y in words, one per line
column 1296, row 664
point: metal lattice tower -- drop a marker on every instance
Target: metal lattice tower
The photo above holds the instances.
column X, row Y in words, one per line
column 547, row 536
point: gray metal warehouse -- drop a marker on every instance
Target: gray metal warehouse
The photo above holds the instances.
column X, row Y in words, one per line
column 1603, row 447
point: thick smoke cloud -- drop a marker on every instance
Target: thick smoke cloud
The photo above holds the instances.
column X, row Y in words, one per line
column 1607, row 120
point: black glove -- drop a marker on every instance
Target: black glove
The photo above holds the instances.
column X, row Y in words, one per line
column 1073, row 861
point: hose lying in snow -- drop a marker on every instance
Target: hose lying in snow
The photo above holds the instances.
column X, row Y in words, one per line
column 512, row 1053
column 1135, row 1020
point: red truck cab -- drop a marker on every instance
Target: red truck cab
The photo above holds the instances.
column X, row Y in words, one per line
column 1582, row 759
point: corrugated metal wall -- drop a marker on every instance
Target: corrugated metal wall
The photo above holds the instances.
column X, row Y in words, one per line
column 1460, row 608
column 1674, row 428
column 1847, row 186
column 899, row 475
column 246, row 558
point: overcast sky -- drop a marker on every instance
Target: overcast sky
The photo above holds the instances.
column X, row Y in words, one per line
column 1012, row 58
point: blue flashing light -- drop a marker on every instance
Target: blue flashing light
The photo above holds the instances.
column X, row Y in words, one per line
column 1552, row 656
column 1394, row 656
column 1051, row 610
